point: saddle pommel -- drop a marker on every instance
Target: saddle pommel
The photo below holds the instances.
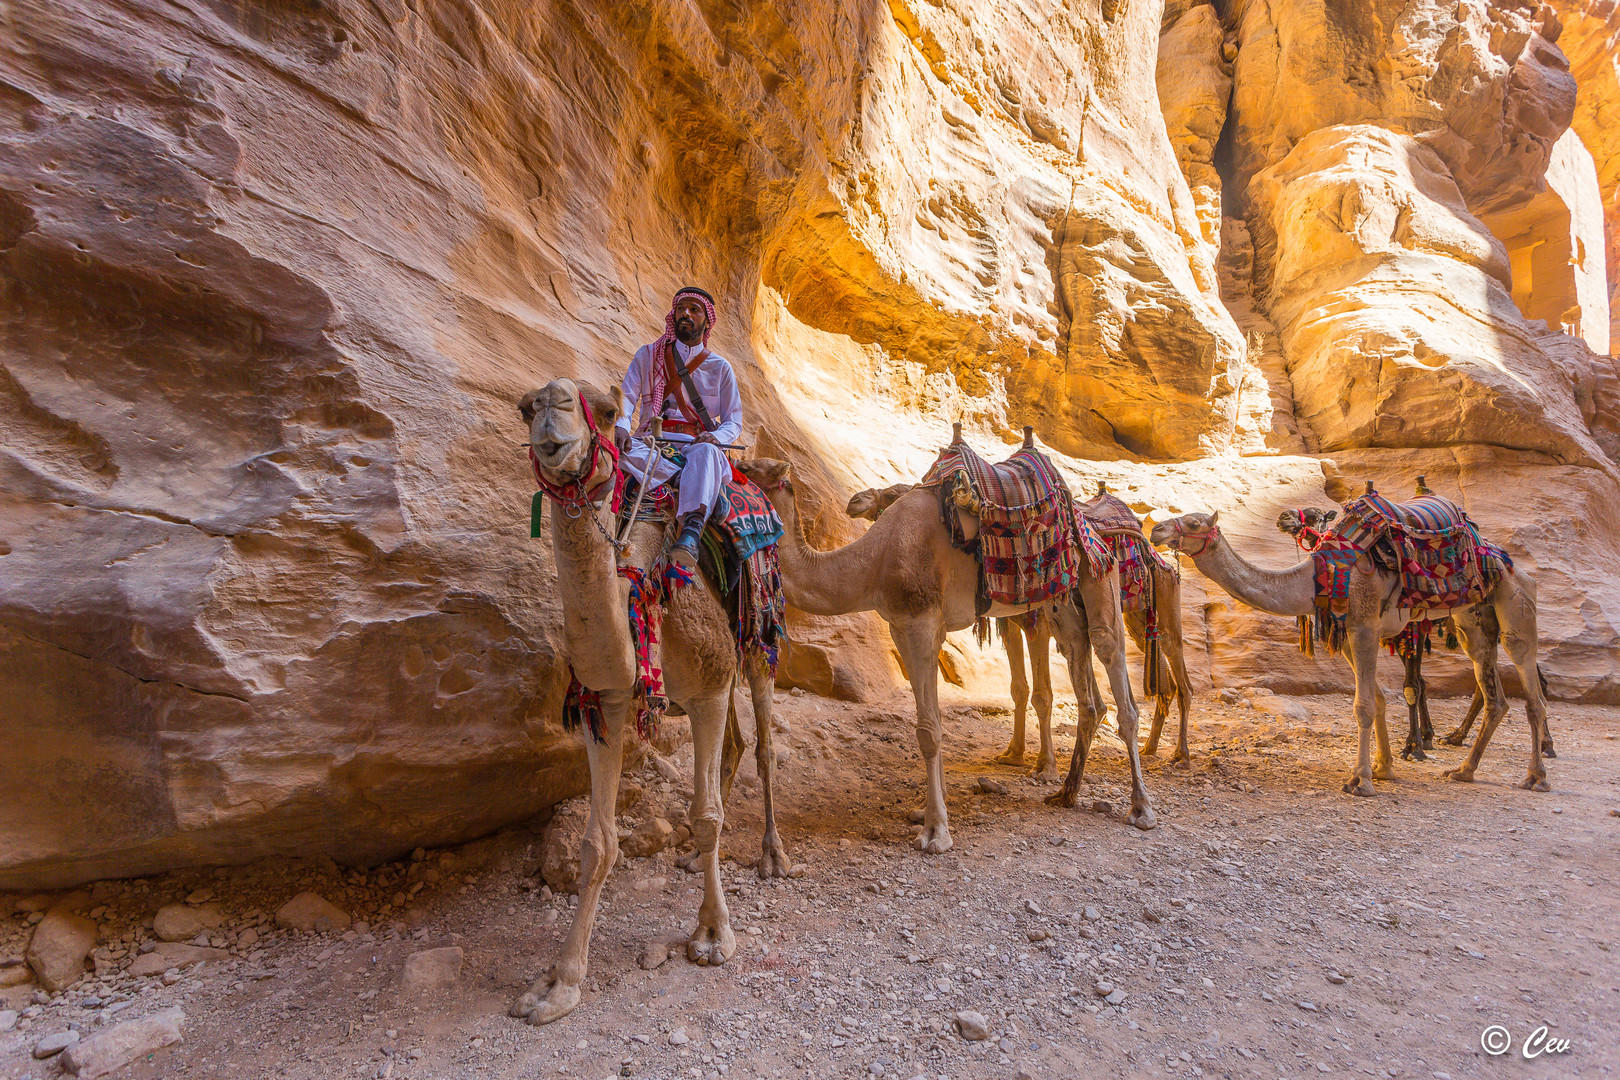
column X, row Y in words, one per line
column 1370, row 489
column 1422, row 486
column 657, row 427
column 1029, row 437
column 956, row 433
column 1102, row 487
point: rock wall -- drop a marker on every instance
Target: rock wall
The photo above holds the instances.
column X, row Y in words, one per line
column 276, row 273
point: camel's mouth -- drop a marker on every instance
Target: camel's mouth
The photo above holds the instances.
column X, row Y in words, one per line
column 1162, row 536
column 552, row 454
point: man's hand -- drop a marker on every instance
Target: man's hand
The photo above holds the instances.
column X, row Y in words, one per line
column 621, row 439
column 708, row 437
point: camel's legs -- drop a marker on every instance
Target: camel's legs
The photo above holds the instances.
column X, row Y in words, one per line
column 1515, row 610
column 1480, row 645
column 1426, row 725
column 712, row 942
column 1074, row 642
column 1460, row 735
column 1176, row 654
column 773, row 858
column 1136, row 623
column 1107, row 628
column 1012, row 636
column 730, row 757
column 1040, row 667
column 1362, row 653
column 1412, row 662
column 556, row 993
column 919, row 642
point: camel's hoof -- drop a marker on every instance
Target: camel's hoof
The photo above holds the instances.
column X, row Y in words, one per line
column 1151, row 749
column 1428, row 744
column 1357, row 786
column 1384, row 772
column 773, row 862
column 706, row 948
column 1454, row 739
column 1461, row 776
column 1061, row 797
column 1181, row 757
column 1535, row 783
column 1547, row 749
column 546, row 1001
column 1049, row 774
column 1413, row 753
column 935, row 840
column 691, row 862
column 1008, row 757
column 1143, row 819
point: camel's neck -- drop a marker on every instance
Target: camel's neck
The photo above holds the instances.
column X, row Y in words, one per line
column 1279, row 592
column 596, row 630
column 822, row 582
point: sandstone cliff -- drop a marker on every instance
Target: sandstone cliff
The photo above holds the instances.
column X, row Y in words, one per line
column 276, row 274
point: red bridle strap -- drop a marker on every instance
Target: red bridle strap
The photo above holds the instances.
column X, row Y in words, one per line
column 1183, row 535
column 576, row 493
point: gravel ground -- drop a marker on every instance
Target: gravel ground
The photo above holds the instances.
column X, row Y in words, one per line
column 1271, row 927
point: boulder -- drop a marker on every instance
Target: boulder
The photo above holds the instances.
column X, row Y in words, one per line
column 58, row 949
column 173, row 954
column 309, row 911
column 559, row 846
column 112, row 1048
column 649, row 838
column 182, row 922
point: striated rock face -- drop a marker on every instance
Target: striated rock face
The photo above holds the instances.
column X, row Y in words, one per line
column 274, row 278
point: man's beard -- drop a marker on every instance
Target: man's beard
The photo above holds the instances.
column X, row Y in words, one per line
column 687, row 331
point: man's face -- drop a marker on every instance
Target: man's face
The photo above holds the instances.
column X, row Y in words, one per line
column 690, row 319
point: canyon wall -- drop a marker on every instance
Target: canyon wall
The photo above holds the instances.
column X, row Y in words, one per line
column 275, row 274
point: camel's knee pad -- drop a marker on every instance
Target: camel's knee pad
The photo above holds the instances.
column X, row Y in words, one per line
column 927, row 741
column 705, row 833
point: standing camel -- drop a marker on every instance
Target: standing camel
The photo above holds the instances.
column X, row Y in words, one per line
column 1371, row 619
column 1172, row 676
column 700, row 669
column 1307, row 525
column 907, row 570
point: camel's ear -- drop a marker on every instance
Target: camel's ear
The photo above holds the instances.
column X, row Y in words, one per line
column 526, row 406
column 1329, row 516
column 1214, row 518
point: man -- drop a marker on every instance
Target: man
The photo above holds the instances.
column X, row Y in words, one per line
column 695, row 391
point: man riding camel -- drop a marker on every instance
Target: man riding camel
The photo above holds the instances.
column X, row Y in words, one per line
column 695, row 391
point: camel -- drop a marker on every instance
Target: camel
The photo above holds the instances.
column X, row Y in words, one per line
column 1371, row 619
column 1172, row 681
column 906, row 569
column 700, row 671
column 1420, row 730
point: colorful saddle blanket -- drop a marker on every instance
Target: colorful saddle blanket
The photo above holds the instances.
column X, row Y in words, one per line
column 1030, row 539
column 1429, row 542
column 1113, row 519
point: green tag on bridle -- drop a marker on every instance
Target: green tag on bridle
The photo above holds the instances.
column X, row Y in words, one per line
column 537, row 508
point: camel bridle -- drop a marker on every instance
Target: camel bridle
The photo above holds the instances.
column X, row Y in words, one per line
column 1183, row 534
column 576, row 493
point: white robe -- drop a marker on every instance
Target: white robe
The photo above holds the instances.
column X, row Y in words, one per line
column 707, row 468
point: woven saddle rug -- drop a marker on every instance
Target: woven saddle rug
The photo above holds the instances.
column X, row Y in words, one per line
column 1113, row 519
column 1432, row 546
column 1030, row 539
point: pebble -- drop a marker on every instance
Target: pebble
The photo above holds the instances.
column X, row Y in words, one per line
column 1032, row 907
column 1091, row 914
column 8, row 1019
column 1007, row 1045
column 992, row 787
column 1116, row 998
column 678, row 1037
column 1037, row 935
column 180, row 922
column 55, row 1044
column 1104, row 988
column 1101, row 806
column 1308, row 1006
column 971, row 1025
column 1335, row 978
column 653, row 955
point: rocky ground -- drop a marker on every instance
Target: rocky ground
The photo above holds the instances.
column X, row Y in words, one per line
column 1271, row 927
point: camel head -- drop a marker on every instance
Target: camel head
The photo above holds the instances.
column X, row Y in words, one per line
column 1309, row 517
column 1176, row 533
column 771, row 475
column 557, row 430
column 870, row 503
